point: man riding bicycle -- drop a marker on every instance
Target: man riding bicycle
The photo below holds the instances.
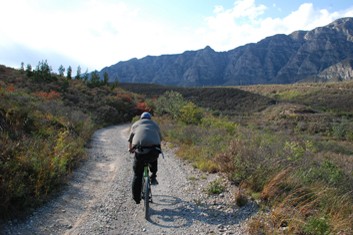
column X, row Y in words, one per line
column 145, row 141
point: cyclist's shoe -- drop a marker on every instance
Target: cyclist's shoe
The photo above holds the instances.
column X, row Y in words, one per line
column 137, row 201
column 154, row 181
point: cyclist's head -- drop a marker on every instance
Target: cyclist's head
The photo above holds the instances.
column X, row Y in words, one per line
column 146, row 115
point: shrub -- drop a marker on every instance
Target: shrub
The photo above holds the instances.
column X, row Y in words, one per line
column 326, row 171
column 215, row 187
column 252, row 157
column 296, row 151
column 142, row 107
column 170, row 103
column 191, row 114
column 219, row 123
column 241, row 200
column 52, row 95
column 318, row 226
column 343, row 130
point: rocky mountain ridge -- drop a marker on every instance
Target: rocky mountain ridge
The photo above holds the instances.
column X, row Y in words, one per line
column 324, row 53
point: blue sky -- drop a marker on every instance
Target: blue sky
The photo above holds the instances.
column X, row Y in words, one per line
column 99, row 33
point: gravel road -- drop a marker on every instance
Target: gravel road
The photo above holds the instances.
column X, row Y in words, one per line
column 97, row 199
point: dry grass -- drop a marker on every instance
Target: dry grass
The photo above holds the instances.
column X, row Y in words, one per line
column 276, row 186
column 309, row 211
column 296, row 154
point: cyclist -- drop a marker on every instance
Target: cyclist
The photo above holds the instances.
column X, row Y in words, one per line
column 145, row 141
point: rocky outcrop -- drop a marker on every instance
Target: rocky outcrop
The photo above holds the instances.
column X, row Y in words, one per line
column 324, row 53
column 338, row 72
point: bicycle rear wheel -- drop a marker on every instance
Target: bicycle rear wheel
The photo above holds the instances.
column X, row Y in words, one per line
column 147, row 197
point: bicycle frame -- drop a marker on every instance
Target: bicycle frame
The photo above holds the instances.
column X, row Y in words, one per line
column 146, row 190
column 146, row 171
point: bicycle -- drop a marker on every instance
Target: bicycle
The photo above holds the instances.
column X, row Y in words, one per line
column 146, row 183
column 146, row 192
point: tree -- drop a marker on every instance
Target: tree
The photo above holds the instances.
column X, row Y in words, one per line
column 29, row 70
column 85, row 76
column 105, row 78
column 22, row 69
column 69, row 72
column 61, row 70
column 115, row 83
column 116, row 79
column 95, row 79
column 78, row 73
column 43, row 71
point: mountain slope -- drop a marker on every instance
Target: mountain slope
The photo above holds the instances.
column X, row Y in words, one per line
column 301, row 55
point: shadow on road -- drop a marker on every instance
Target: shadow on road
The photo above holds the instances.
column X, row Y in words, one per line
column 172, row 212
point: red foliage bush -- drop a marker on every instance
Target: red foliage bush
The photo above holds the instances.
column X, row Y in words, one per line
column 124, row 97
column 10, row 88
column 51, row 95
column 142, row 107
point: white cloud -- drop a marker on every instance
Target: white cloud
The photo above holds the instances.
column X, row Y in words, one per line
column 95, row 34
column 245, row 23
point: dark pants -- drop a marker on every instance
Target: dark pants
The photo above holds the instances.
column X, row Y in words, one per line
column 138, row 166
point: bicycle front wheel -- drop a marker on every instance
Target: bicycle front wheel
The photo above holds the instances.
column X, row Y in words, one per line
column 147, row 197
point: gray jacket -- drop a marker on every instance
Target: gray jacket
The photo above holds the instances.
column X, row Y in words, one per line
column 145, row 133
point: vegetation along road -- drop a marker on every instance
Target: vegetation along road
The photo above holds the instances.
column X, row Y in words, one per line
column 288, row 147
column 97, row 200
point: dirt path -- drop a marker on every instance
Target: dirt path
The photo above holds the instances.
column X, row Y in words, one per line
column 97, row 200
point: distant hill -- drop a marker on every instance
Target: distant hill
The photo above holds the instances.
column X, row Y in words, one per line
column 325, row 53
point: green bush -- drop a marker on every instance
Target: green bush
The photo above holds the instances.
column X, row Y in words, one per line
column 219, row 123
column 317, row 226
column 170, row 103
column 191, row 114
column 325, row 171
column 343, row 129
column 296, row 150
column 215, row 187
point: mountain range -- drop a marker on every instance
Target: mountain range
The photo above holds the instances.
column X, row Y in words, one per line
column 322, row 54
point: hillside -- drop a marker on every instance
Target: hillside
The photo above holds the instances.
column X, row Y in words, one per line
column 225, row 100
column 46, row 121
column 322, row 54
column 289, row 148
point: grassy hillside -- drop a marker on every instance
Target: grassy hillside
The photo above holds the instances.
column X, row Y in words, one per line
column 316, row 120
column 45, row 124
column 289, row 147
column 219, row 100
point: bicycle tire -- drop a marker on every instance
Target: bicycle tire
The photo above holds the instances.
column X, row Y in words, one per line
column 147, row 197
